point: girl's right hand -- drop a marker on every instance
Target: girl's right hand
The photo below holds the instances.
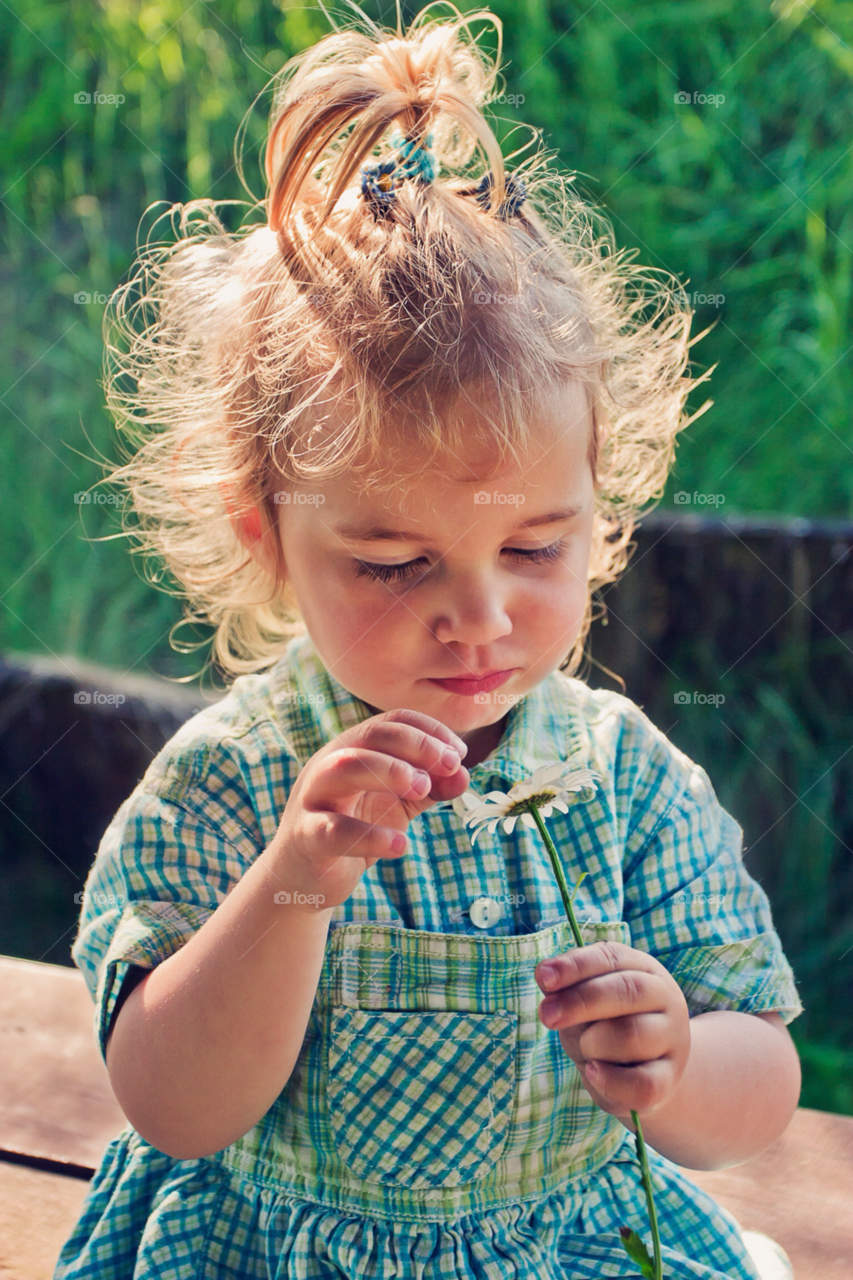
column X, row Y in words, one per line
column 353, row 800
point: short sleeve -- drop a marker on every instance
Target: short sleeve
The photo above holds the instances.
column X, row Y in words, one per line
column 692, row 904
column 162, row 868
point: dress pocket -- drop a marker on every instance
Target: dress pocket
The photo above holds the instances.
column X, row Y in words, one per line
column 421, row 1099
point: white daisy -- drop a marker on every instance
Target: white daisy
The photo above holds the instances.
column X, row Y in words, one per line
column 553, row 786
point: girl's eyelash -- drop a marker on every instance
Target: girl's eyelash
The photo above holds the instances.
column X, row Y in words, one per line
column 386, row 572
column 540, row 554
column 398, row 572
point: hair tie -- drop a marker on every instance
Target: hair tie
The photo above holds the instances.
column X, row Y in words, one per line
column 516, row 194
column 379, row 182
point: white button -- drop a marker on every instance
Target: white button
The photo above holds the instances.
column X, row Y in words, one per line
column 485, row 912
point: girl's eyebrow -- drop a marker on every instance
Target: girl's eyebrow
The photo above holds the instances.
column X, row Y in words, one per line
column 379, row 533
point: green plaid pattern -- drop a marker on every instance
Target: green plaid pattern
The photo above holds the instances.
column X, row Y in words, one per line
column 432, row 1126
column 400, row 1109
column 420, row 1098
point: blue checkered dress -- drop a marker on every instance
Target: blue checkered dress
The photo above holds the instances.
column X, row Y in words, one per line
column 432, row 1127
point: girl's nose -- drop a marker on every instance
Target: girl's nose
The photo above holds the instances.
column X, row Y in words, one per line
column 471, row 614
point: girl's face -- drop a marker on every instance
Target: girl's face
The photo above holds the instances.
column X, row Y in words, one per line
column 465, row 599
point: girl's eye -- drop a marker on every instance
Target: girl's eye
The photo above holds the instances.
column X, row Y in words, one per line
column 387, row 572
column 538, row 555
column 398, row 572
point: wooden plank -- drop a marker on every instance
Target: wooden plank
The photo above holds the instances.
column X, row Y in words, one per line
column 37, row 1215
column 56, row 1102
column 57, row 1106
column 799, row 1192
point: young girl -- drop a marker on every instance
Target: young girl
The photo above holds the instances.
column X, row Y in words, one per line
column 418, row 408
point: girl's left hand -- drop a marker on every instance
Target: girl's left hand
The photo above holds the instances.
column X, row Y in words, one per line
column 622, row 1018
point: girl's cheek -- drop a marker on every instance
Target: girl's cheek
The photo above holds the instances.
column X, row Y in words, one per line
column 354, row 622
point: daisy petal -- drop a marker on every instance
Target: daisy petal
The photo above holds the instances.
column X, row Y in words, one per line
column 481, row 813
column 548, row 773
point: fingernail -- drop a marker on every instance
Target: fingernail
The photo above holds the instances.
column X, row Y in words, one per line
column 547, row 976
column 549, row 1010
column 422, row 782
column 398, row 842
column 451, row 758
column 591, row 1070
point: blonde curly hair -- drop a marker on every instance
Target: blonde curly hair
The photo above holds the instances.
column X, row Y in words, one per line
column 226, row 350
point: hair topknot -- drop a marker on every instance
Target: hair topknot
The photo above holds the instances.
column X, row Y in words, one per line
column 336, row 100
column 327, row 341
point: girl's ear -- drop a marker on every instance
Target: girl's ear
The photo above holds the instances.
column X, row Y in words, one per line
column 247, row 525
column 250, row 527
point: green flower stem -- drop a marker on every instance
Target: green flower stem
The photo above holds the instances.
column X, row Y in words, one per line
column 646, row 1174
column 642, row 1155
column 559, row 873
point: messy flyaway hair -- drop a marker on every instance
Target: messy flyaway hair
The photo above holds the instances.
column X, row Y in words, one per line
column 337, row 337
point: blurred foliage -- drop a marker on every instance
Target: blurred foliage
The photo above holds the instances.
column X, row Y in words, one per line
column 110, row 105
column 747, row 200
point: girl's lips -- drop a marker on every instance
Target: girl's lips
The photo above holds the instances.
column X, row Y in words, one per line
column 468, row 686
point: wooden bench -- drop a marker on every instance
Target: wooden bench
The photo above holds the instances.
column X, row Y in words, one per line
column 58, row 1112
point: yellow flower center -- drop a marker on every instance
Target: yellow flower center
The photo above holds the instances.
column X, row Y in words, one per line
column 523, row 806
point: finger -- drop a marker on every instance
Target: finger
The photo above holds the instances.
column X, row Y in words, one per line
column 589, row 962
column 450, row 788
column 612, row 995
column 629, row 1040
column 337, row 835
column 351, row 769
column 429, row 724
column 413, row 736
column 623, row 1089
